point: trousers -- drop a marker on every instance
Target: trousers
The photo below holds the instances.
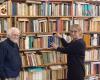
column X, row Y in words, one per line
column 17, row 78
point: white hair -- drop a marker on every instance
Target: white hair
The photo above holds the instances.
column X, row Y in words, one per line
column 12, row 30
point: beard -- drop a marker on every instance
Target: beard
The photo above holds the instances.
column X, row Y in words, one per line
column 15, row 40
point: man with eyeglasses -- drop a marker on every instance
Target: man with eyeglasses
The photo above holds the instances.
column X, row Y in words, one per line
column 10, row 61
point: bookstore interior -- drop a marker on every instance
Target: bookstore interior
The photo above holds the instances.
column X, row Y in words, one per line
column 38, row 20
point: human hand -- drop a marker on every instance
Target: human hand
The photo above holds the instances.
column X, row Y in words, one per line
column 58, row 35
column 54, row 45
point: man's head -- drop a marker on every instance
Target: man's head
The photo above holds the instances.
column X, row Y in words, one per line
column 13, row 34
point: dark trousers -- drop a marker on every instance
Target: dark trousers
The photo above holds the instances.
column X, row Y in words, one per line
column 2, row 78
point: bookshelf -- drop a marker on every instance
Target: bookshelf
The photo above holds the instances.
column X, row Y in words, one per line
column 89, row 18
column 37, row 20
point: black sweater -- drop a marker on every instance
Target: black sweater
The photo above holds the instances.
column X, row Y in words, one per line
column 76, row 55
column 10, row 61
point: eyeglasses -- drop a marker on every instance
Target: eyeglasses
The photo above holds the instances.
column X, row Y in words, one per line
column 73, row 31
column 17, row 35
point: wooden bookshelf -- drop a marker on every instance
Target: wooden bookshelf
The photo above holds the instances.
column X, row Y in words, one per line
column 93, row 20
column 35, row 19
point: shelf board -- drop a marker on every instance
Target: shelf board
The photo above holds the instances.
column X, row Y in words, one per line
column 93, row 47
column 18, row 0
column 91, row 33
column 31, row 16
column 2, row 34
column 86, row 16
column 83, row 17
column 4, row 16
column 48, row 33
column 46, row 65
column 51, row 49
column 87, row 76
column 59, row 0
column 37, row 49
column 93, row 2
column 36, row 33
column 60, row 16
column 42, row 16
column 40, row 33
column 61, row 63
column 92, row 61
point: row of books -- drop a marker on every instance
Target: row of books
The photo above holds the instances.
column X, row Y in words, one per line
column 42, row 41
column 50, row 25
column 30, row 59
column 49, row 9
column 36, row 8
column 92, row 39
column 4, row 25
column 94, row 25
column 92, row 55
column 43, row 25
column 41, row 9
column 92, row 78
column 88, row 25
column 52, row 57
column 40, row 73
column 55, row 9
column 58, row 25
column 92, row 68
column 86, row 9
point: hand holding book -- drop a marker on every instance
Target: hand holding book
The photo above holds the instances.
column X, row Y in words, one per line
column 54, row 46
column 57, row 35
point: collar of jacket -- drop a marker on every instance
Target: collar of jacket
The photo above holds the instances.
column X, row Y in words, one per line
column 11, row 42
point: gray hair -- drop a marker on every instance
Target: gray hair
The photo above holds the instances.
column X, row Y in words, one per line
column 12, row 30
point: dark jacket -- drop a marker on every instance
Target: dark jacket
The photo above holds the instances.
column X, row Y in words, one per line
column 76, row 55
column 10, row 61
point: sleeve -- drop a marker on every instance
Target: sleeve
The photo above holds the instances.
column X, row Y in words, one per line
column 77, row 48
column 2, row 56
column 67, row 49
column 64, row 42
